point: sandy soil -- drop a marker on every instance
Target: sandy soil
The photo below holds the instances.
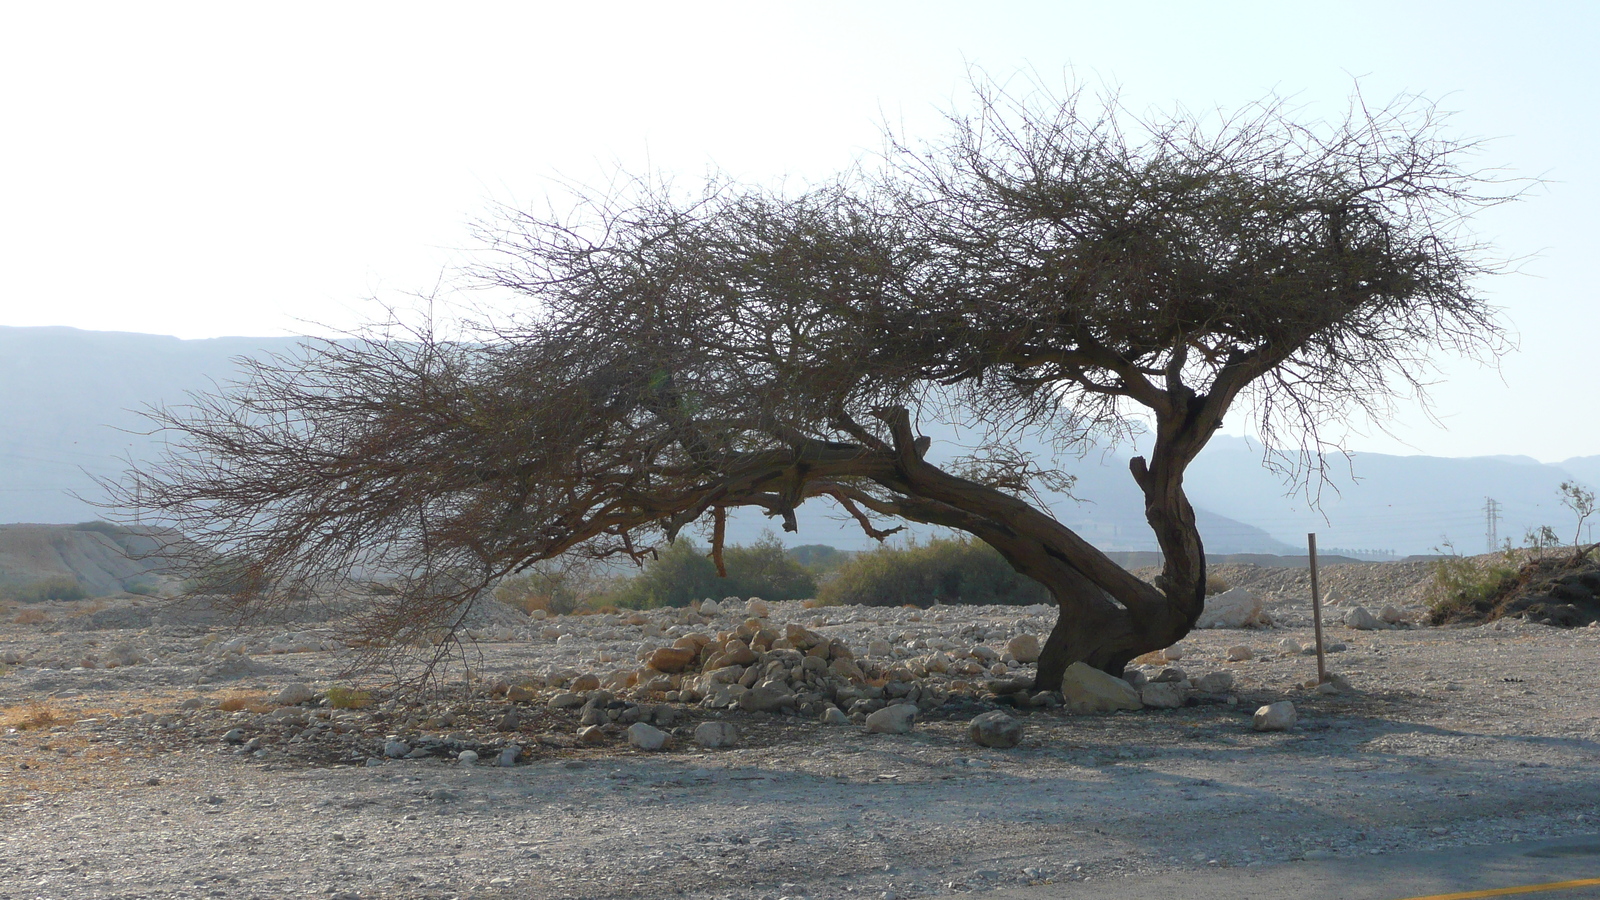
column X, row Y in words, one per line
column 1451, row 736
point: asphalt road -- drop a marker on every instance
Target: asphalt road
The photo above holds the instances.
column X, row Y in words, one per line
column 1529, row 869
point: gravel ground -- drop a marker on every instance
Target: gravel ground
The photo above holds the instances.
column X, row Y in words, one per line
column 1450, row 736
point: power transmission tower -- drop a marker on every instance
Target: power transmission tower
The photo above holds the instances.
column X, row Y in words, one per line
column 1491, row 513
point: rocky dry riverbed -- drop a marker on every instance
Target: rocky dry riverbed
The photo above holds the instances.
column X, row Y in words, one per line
column 150, row 752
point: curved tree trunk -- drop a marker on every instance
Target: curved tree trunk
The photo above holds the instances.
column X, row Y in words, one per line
column 1107, row 616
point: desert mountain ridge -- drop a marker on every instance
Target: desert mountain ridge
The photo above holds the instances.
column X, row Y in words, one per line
column 70, row 401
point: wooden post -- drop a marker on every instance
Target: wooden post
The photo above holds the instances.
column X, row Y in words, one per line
column 1316, row 609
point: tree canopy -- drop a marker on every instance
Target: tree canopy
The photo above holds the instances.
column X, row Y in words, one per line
column 1054, row 265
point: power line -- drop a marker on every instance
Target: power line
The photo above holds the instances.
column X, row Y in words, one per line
column 1491, row 512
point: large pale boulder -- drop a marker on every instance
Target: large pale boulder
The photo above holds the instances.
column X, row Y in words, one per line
column 1362, row 619
column 995, row 729
column 647, row 737
column 1086, row 689
column 896, row 719
column 1236, row 608
column 1279, row 716
column 1024, row 648
column 1161, row 695
column 716, row 735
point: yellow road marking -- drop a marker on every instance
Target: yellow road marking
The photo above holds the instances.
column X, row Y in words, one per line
column 1523, row 889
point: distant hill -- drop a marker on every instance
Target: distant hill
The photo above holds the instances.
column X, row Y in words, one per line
column 69, row 401
column 100, row 558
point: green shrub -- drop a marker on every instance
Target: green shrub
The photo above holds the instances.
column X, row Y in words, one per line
column 820, row 559
column 348, row 698
column 60, row 587
column 555, row 586
column 683, row 572
column 961, row 570
column 1464, row 588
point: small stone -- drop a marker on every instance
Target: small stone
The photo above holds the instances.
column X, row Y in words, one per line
column 710, row 608
column 757, row 608
column 1289, row 645
column 1171, row 675
column 1173, row 653
column 468, row 758
column 1161, row 695
column 508, row 756
column 1278, row 716
column 566, row 700
column 646, row 737
column 1024, row 648
column 671, row 659
column 1240, row 653
column 236, row 736
column 879, row 648
column 995, row 729
column 588, row 681
column 766, row 698
column 373, row 762
column 591, row 735
column 192, row 703
column 520, row 693
column 1361, row 620
column 1135, row 677
column 833, row 715
column 294, row 695
column 895, row 719
column 1214, row 683
column 716, row 735
column 396, row 749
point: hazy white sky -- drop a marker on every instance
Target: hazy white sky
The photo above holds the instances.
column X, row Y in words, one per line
column 223, row 169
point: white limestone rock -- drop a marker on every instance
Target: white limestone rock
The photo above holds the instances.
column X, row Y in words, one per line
column 896, row 719
column 1086, row 689
column 646, row 737
column 995, row 729
column 1161, row 695
column 1024, row 648
column 1236, row 608
column 716, row 735
column 1361, row 619
column 1279, row 716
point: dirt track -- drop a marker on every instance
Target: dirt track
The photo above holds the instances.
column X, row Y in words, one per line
column 1452, row 736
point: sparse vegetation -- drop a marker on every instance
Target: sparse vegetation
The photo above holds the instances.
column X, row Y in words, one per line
column 1465, row 587
column 30, row 617
column 33, row 715
column 238, row 700
column 959, row 570
column 1216, row 584
column 54, row 588
column 555, row 586
column 348, row 698
column 683, row 572
column 1580, row 500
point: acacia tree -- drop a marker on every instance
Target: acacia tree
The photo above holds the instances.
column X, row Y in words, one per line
column 1054, row 266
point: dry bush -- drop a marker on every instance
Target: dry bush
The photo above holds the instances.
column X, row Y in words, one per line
column 238, row 700
column 33, row 714
column 30, row 617
column 1216, row 584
